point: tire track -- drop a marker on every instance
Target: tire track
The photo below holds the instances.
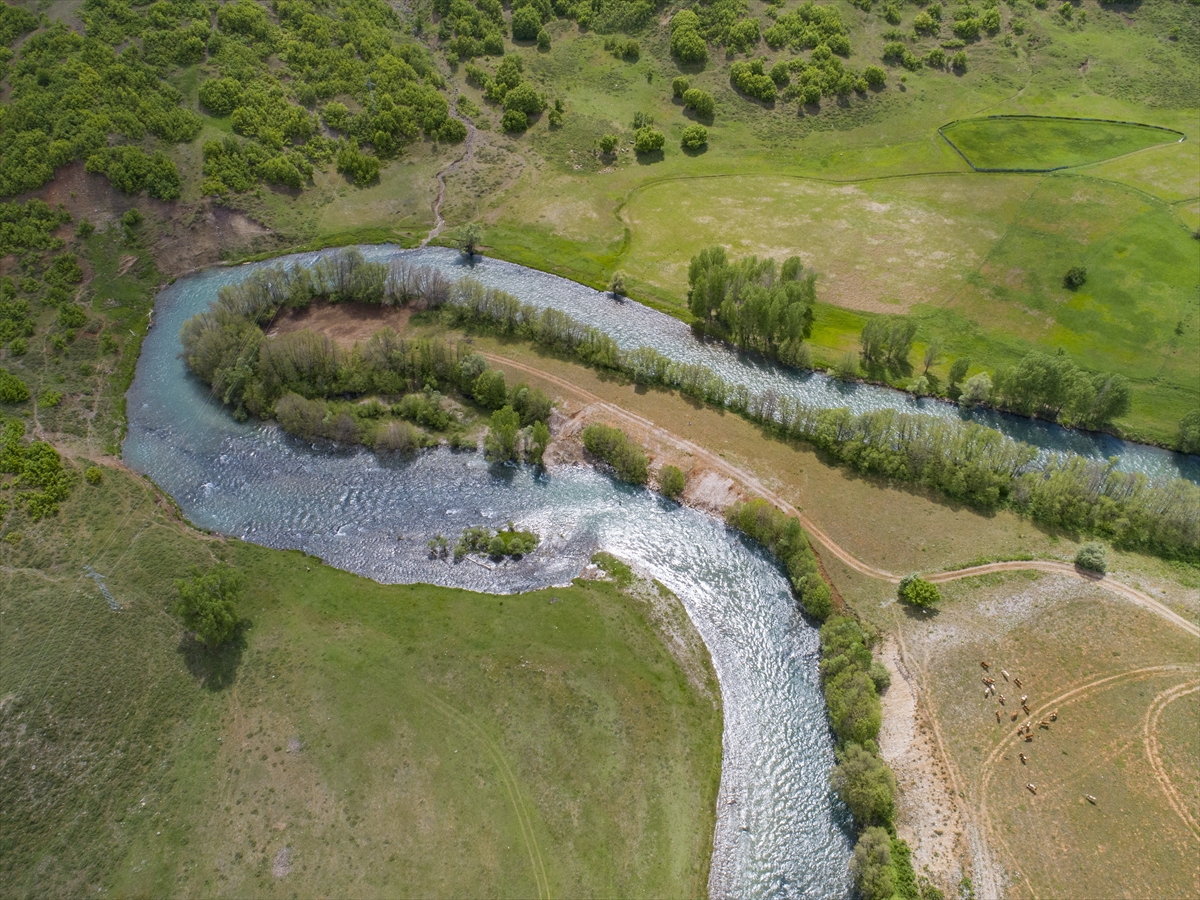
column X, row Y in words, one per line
column 1153, row 754
column 750, row 481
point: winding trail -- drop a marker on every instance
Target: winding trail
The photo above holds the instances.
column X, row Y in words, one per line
column 750, row 481
column 1154, row 751
column 438, row 221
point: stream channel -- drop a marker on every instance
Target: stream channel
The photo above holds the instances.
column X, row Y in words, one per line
column 780, row 832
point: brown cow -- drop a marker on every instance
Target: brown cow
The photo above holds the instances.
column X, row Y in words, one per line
column 997, row 715
column 1029, row 738
column 1017, row 682
column 1026, row 708
column 1044, row 724
column 1012, row 718
column 984, row 664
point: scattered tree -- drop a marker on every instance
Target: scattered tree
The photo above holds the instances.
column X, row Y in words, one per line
column 500, row 445
column 208, row 604
column 1093, row 557
column 608, row 143
column 1076, row 276
column 865, row 784
column 648, row 140
column 916, row 591
column 978, row 390
column 700, row 102
column 470, row 238
column 694, row 138
column 680, row 85
column 616, row 284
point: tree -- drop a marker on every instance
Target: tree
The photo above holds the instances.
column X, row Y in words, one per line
column 872, row 865
column 933, row 352
column 608, row 143
column 490, row 390
column 208, row 604
column 524, row 98
column 958, row 370
column 700, row 102
column 1075, row 278
column 686, row 43
column 978, row 390
column 500, row 445
column 671, row 481
column 539, row 440
column 470, row 238
column 958, row 62
column 648, row 140
column 875, row 76
column 12, row 388
column 543, row 39
column 616, row 284
column 916, row 591
column 694, row 138
column 514, row 121
column 865, row 784
column 1093, row 557
column 526, row 23
column 679, row 85
column 1189, row 432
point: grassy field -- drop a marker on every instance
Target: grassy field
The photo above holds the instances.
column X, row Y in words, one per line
column 1037, row 143
column 1107, row 740
column 357, row 739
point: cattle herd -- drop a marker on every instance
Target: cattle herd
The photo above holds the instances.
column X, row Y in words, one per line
column 1025, row 729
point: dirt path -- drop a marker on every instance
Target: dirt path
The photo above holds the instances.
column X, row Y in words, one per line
column 438, row 222
column 751, row 482
column 1153, row 751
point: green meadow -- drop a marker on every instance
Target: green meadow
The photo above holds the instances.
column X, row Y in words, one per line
column 355, row 740
column 1037, row 143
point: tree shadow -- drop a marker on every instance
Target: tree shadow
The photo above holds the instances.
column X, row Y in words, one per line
column 215, row 669
column 920, row 613
column 649, row 159
column 697, row 151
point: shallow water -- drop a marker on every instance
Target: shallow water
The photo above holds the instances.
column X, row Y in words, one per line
column 779, row 833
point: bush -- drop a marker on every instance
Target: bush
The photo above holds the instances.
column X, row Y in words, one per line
column 524, row 98
column 700, row 102
column 694, row 137
column 526, row 23
column 608, row 143
column 958, row 62
column 671, row 481
column 687, row 45
column 514, row 121
column 872, row 865
column 12, row 388
column 93, row 475
column 543, row 39
column 397, row 437
column 614, row 447
column 865, row 784
column 208, row 604
column 916, row 591
column 875, row 76
column 648, row 140
column 1092, row 556
column 1075, row 278
column 880, row 676
column 680, row 85
column 500, row 445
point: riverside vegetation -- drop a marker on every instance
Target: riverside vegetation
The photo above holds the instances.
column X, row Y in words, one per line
column 965, row 461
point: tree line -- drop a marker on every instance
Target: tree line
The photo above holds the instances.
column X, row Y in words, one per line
column 851, row 680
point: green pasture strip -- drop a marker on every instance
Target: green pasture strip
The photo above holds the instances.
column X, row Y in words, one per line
column 1047, row 143
column 408, row 740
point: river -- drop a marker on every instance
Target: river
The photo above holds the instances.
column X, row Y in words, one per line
column 780, row 832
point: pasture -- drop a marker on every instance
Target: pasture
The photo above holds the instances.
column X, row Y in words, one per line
column 1044, row 143
column 358, row 739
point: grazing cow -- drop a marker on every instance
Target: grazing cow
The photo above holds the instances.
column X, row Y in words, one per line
column 984, row 664
column 1026, row 708
column 1017, row 682
column 997, row 715
column 1054, row 716
column 1024, row 759
column 1090, row 799
column 1029, row 738
column 1044, row 724
column 1013, row 718
column 1001, row 699
column 1032, row 788
column 1004, row 673
column 1024, row 697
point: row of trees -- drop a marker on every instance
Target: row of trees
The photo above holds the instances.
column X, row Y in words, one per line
column 784, row 537
column 752, row 304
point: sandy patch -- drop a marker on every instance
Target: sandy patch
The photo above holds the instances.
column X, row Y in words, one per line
column 927, row 815
column 346, row 323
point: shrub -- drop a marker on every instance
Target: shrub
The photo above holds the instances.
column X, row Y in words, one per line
column 872, row 865
column 694, row 137
column 700, row 102
column 397, row 437
column 608, row 143
column 1075, row 278
column 648, row 140
column 514, row 121
column 490, row 389
column 500, row 445
column 543, row 39
column 93, row 475
column 12, row 388
column 1093, row 557
column 614, row 447
column 686, row 43
column 865, row 784
column 875, row 76
column 1189, row 432
column 524, row 98
column 208, row 604
column 751, row 78
column 526, row 23
column 680, row 85
column 880, row 676
column 671, row 481
column 958, row 62
column 916, row 591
